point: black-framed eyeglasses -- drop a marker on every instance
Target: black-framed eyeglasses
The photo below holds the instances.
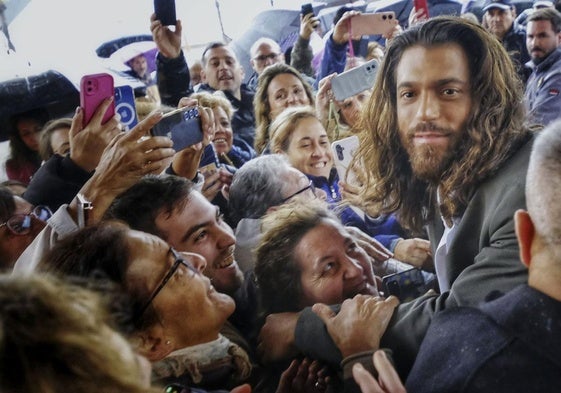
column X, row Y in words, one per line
column 262, row 58
column 179, row 260
column 308, row 187
column 20, row 224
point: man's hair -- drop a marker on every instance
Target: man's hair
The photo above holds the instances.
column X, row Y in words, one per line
column 257, row 186
column 140, row 205
column 45, row 146
column 549, row 14
column 264, row 40
column 493, row 131
column 543, row 184
column 212, row 45
column 261, row 103
column 277, row 271
column 284, row 125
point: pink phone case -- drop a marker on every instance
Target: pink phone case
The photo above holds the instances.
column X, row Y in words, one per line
column 376, row 23
column 94, row 89
column 422, row 5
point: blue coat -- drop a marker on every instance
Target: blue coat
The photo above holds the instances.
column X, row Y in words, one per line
column 543, row 89
column 385, row 229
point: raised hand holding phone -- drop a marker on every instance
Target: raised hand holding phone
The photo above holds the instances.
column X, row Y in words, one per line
column 421, row 11
column 94, row 88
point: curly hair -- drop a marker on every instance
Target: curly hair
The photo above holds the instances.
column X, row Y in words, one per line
column 276, row 270
column 261, row 104
column 494, row 128
column 57, row 337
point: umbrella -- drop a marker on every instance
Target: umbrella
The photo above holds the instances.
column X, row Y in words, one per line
column 49, row 90
column 147, row 48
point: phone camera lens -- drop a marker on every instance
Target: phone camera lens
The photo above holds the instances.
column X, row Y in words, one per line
column 384, row 17
column 390, row 16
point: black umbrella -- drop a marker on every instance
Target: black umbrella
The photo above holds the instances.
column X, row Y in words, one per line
column 49, row 90
column 106, row 49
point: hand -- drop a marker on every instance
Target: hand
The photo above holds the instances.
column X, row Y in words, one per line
column 360, row 324
column 308, row 23
column 87, row 143
column 373, row 247
column 276, row 338
column 341, row 29
column 303, row 376
column 416, row 16
column 416, row 252
column 245, row 388
column 124, row 161
column 324, row 97
column 216, row 182
column 388, row 380
column 167, row 41
column 397, row 30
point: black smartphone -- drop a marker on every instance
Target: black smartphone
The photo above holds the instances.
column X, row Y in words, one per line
column 165, row 12
column 182, row 126
column 307, row 9
column 406, row 285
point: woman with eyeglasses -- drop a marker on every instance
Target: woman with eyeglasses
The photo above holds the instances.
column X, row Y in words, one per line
column 300, row 135
column 178, row 316
column 20, row 223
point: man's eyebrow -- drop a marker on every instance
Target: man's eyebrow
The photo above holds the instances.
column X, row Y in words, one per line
column 439, row 82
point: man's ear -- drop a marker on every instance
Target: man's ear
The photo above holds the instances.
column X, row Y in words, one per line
column 152, row 343
column 203, row 76
column 525, row 233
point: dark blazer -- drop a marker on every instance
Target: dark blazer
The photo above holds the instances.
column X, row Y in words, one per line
column 482, row 257
column 509, row 345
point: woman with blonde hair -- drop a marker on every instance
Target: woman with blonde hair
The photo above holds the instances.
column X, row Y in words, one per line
column 56, row 337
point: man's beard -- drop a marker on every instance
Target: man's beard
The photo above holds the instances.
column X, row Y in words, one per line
column 430, row 162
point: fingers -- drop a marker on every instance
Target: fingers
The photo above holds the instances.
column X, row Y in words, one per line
column 387, row 375
column 77, row 121
column 245, row 388
column 143, row 127
column 365, row 380
column 323, row 311
column 101, row 109
column 187, row 102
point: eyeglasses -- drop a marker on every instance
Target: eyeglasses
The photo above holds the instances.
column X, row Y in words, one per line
column 308, row 187
column 20, row 224
column 179, row 260
column 262, row 58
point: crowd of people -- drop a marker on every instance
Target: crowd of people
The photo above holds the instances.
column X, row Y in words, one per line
column 249, row 262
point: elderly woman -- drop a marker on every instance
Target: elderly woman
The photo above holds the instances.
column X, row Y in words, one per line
column 280, row 86
column 57, row 337
column 307, row 256
column 177, row 313
column 299, row 134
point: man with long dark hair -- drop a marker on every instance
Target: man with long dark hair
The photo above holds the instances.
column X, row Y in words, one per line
column 446, row 148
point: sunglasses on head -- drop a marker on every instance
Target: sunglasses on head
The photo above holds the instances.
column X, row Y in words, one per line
column 20, row 224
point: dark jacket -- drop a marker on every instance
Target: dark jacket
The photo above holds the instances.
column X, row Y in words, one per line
column 511, row 344
column 543, row 89
column 514, row 42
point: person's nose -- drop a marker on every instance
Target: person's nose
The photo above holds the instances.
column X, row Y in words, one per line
column 198, row 261
column 428, row 107
column 226, row 236
column 292, row 99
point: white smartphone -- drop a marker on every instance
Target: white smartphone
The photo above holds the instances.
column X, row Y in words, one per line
column 343, row 153
column 355, row 80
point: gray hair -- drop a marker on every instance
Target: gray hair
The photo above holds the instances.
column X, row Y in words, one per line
column 543, row 184
column 257, row 186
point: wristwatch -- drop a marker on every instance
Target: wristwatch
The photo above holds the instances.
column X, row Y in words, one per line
column 84, row 209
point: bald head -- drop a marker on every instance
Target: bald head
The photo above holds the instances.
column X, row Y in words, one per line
column 543, row 184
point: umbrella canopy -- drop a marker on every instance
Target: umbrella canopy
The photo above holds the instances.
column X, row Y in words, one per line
column 122, row 56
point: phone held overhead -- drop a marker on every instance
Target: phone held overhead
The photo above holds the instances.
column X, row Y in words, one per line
column 94, row 88
column 182, row 126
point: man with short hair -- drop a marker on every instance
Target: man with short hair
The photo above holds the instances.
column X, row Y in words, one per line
column 445, row 148
column 264, row 52
column 543, row 90
column 221, row 70
column 170, row 207
column 498, row 17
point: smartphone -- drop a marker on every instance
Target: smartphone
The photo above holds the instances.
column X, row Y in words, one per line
column 165, row 12
column 355, row 80
column 343, row 153
column 422, row 5
column 373, row 23
column 406, row 285
column 182, row 126
column 94, row 88
column 307, row 9
column 125, row 106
